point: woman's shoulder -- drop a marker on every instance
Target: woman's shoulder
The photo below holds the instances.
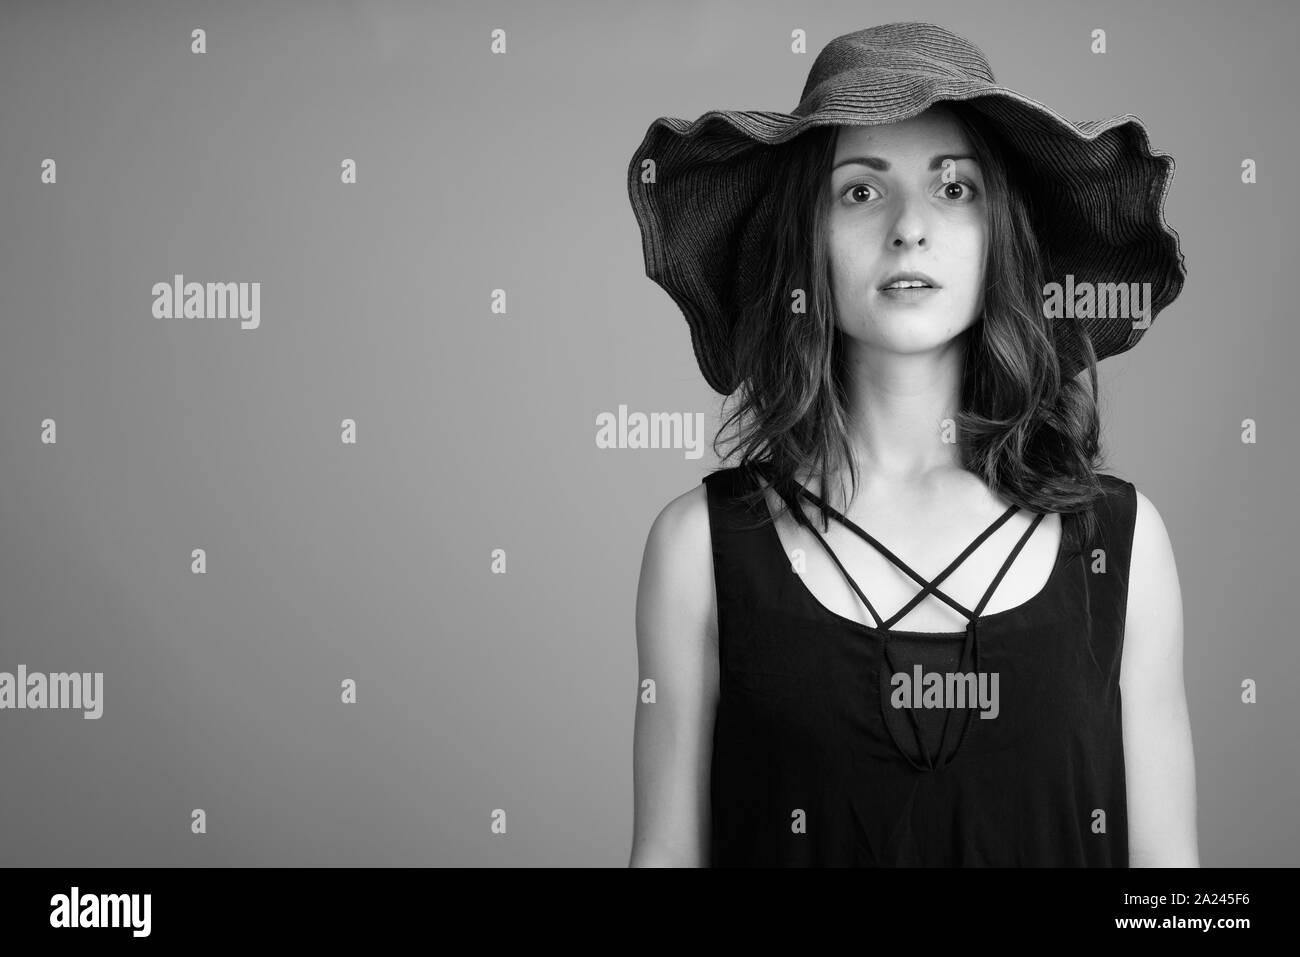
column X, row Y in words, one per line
column 679, row 535
column 677, row 566
column 1142, row 526
column 1137, row 526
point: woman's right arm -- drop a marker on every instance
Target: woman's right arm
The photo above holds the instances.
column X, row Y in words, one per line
column 677, row 647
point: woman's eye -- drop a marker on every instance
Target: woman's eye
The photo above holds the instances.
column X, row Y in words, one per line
column 958, row 184
column 855, row 191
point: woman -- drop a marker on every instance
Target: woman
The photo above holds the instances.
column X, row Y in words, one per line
column 874, row 272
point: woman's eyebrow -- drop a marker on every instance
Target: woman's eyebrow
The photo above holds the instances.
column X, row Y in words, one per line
column 875, row 162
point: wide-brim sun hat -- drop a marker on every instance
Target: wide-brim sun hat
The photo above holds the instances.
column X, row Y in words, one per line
column 1097, row 188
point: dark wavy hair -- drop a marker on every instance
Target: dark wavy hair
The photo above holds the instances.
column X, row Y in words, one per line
column 1031, row 435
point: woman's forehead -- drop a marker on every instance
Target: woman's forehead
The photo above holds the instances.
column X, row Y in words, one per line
column 933, row 132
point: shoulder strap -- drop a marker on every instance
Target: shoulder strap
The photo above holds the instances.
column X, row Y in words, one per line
column 1107, row 582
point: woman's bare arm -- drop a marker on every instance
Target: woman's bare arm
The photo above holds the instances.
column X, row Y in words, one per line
column 677, row 647
column 1159, row 765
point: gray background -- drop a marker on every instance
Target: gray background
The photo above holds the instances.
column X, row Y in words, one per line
column 476, row 431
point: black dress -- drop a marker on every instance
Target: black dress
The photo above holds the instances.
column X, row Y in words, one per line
column 821, row 759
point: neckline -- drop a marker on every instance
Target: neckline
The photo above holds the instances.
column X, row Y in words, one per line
column 981, row 621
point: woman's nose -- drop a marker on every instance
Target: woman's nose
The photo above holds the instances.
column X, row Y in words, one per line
column 909, row 228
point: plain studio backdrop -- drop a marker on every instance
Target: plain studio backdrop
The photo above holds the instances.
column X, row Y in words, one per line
column 372, row 561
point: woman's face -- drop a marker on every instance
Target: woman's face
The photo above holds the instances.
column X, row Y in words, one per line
column 895, row 213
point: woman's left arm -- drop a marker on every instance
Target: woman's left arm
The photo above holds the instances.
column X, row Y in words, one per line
column 1159, row 767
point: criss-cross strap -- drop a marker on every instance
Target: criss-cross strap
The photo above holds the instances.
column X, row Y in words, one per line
column 970, row 647
column 927, row 587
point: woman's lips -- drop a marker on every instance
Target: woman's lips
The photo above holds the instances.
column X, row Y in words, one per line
column 914, row 294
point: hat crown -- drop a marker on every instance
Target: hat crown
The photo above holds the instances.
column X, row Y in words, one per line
column 918, row 49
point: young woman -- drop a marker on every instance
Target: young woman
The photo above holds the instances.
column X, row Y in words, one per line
column 873, row 273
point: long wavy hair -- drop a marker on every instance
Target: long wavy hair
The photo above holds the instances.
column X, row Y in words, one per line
column 1031, row 435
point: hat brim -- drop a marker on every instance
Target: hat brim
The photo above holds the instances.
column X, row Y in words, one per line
column 1097, row 189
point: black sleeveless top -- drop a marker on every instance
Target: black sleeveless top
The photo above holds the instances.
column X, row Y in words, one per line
column 823, row 756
